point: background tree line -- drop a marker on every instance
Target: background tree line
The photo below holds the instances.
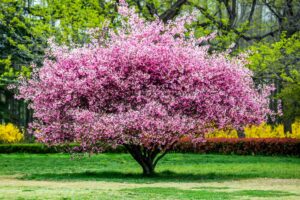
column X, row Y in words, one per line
column 269, row 28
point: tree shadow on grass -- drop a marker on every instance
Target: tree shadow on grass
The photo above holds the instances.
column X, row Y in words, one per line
column 116, row 176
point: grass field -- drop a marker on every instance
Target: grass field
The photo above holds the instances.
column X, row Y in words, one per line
column 179, row 176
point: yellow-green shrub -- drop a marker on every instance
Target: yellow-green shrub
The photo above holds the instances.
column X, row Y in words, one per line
column 267, row 131
column 10, row 133
column 260, row 131
column 231, row 133
column 295, row 130
column 264, row 131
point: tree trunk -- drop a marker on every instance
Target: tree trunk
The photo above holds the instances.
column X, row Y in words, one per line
column 287, row 124
column 147, row 158
column 289, row 115
column 241, row 134
column 148, row 170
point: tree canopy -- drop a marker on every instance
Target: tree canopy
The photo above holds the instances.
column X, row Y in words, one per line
column 145, row 86
column 259, row 25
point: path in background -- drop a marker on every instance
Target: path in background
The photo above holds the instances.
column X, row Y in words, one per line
column 262, row 188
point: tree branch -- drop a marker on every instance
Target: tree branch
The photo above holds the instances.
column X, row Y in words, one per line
column 163, row 154
column 225, row 27
column 138, row 3
column 233, row 13
column 160, row 157
column 279, row 17
column 173, row 11
column 151, row 8
column 259, row 37
column 250, row 18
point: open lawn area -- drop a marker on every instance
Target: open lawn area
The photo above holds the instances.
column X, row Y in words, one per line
column 179, row 176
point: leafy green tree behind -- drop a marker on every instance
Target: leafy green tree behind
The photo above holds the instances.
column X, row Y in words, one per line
column 279, row 63
column 68, row 20
column 25, row 27
column 20, row 45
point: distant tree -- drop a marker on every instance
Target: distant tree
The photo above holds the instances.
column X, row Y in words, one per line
column 69, row 20
column 24, row 27
column 144, row 86
column 278, row 63
column 20, row 46
column 287, row 14
column 237, row 21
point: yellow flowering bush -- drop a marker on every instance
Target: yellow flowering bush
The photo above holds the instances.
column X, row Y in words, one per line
column 264, row 131
column 295, row 131
column 10, row 133
column 261, row 131
column 231, row 133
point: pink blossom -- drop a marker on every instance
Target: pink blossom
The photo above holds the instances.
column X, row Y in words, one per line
column 140, row 86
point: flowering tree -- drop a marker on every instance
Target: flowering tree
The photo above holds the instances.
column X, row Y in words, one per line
column 144, row 86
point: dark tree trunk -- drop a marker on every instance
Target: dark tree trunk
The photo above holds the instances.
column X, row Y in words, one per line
column 148, row 169
column 241, row 134
column 288, row 116
column 147, row 158
column 287, row 124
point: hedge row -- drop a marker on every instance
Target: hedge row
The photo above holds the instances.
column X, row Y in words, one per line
column 30, row 148
column 243, row 146
column 43, row 149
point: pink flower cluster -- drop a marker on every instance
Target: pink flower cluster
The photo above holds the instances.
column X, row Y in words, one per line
column 146, row 83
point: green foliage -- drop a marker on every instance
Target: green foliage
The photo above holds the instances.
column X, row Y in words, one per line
column 277, row 60
column 27, row 148
column 25, row 27
column 38, row 148
column 279, row 63
column 69, row 20
column 20, row 44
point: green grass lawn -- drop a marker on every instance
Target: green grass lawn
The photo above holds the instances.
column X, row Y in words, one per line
column 179, row 176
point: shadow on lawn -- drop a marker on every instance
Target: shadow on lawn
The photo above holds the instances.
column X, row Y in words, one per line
column 115, row 176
